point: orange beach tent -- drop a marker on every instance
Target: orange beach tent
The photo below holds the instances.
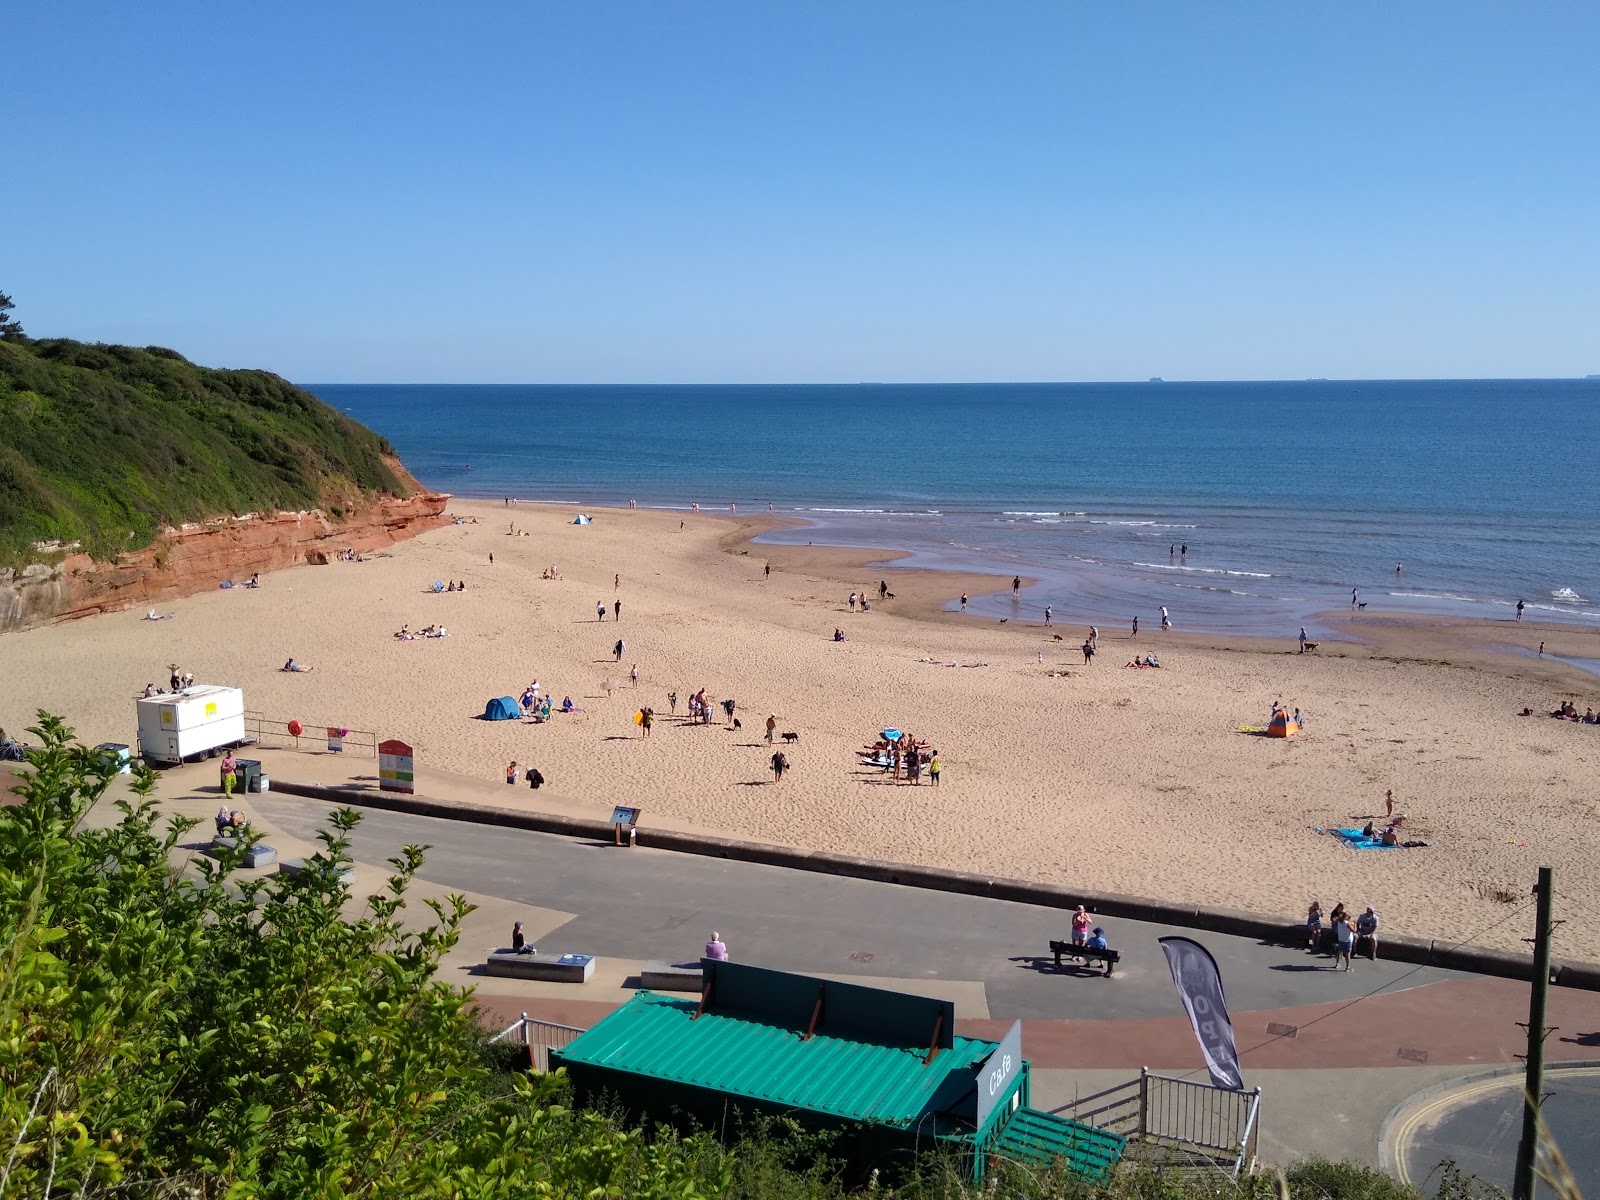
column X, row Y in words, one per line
column 1282, row 725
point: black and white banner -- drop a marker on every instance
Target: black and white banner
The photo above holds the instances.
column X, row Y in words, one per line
column 1199, row 984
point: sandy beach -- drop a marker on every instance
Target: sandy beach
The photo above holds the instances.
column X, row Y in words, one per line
column 1134, row 781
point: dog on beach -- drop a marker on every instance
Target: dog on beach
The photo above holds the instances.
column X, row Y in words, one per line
column 738, row 724
column 791, row 737
column 1055, row 637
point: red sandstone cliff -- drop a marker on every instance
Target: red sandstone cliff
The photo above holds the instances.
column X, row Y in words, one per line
column 197, row 557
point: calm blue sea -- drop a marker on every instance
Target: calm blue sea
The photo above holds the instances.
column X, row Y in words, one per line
column 1287, row 494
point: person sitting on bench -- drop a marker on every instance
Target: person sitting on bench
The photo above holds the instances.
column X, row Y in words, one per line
column 1097, row 940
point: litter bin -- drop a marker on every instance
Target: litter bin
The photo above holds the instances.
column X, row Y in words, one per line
column 261, row 784
column 119, row 754
column 246, row 771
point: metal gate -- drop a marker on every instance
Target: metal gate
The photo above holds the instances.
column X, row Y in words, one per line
column 1177, row 1123
column 540, row 1037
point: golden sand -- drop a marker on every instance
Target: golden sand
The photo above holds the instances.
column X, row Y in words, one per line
column 1137, row 782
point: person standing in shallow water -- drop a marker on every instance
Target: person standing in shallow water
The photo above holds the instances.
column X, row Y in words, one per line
column 963, row 602
column 1016, row 585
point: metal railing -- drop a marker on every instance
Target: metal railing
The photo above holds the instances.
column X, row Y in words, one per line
column 1180, row 1123
column 275, row 735
column 540, row 1037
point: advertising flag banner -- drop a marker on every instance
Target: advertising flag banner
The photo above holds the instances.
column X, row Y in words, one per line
column 1199, row 984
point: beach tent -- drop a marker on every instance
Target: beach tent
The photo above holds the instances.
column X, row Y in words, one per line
column 581, row 519
column 1282, row 726
column 503, row 709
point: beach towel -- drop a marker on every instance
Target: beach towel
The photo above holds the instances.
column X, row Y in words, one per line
column 1357, row 840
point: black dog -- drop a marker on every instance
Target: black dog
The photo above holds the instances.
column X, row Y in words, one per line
column 791, row 737
column 738, row 724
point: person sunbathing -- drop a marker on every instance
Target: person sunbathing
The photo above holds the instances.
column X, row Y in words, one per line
column 294, row 667
column 1390, row 837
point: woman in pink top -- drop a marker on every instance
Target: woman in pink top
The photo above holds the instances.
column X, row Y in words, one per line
column 717, row 948
column 1080, row 927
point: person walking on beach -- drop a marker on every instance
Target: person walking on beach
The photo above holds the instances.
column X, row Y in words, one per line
column 1520, row 606
column 780, row 764
column 1353, row 595
column 1388, row 803
column 617, row 610
column 618, row 649
column 599, row 610
column 728, row 707
column 883, row 588
column 935, row 766
column 647, row 716
column 511, row 771
column 1047, row 611
column 1094, row 636
column 1135, row 632
column 1166, row 621
column 772, row 727
column 767, row 571
column 963, row 602
column 1302, row 639
column 852, row 602
column 616, row 583
column 672, row 703
column 633, row 675
column 1016, row 585
column 1088, row 652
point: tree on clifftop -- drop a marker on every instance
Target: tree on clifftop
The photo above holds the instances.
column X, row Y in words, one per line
column 10, row 327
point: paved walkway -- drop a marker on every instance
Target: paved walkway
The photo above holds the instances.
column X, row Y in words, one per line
column 1334, row 1052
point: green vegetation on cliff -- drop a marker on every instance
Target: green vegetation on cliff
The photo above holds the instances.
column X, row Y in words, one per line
column 105, row 445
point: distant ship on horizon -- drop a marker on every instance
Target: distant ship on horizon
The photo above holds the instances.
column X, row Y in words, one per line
column 1157, row 379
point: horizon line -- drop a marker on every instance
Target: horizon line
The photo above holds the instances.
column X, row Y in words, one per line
column 1595, row 378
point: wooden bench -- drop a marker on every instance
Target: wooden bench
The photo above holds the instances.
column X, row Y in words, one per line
column 661, row 976
column 1089, row 953
column 259, row 855
column 551, row 968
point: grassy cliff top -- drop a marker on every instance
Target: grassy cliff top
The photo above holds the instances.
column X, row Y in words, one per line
column 105, row 445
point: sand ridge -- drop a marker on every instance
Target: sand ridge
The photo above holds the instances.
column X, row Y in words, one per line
column 1102, row 777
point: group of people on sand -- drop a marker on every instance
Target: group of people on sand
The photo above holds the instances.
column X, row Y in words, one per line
column 1149, row 660
column 177, row 683
column 1569, row 712
column 349, row 555
column 404, row 634
column 1352, row 935
column 905, row 757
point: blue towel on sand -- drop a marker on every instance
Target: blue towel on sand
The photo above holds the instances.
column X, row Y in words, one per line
column 1357, row 840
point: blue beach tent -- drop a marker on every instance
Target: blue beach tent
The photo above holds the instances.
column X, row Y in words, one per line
column 503, row 709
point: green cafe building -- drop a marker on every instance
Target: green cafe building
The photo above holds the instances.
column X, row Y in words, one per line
column 886, row 1071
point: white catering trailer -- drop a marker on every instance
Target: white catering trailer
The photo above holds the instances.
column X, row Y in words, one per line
column 199, row 721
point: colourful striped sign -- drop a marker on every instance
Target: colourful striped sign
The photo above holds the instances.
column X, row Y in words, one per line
column 395, row 767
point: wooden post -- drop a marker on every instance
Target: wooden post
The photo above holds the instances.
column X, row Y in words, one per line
column 1523, row 1182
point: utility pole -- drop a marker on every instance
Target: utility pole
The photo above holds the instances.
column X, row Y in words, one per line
column 1528, row 1150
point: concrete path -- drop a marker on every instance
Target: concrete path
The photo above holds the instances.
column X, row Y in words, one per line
column 1333, row 1052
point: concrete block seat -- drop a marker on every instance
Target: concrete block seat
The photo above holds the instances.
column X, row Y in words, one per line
column 259, row 855
column 551, row 968
column 658, row 975
column 296, row 867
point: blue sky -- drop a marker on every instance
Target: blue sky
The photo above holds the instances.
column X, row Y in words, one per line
column 675, row 192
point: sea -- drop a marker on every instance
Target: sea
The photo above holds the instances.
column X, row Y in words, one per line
column 1240, row 507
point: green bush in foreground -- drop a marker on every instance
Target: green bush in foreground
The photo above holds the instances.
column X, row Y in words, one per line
column 207, row 1034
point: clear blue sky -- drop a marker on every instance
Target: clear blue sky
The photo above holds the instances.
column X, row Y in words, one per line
column 677, row 192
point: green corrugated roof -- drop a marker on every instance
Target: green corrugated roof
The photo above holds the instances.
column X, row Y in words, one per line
column 652, row 1035
column 1039, row 1137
